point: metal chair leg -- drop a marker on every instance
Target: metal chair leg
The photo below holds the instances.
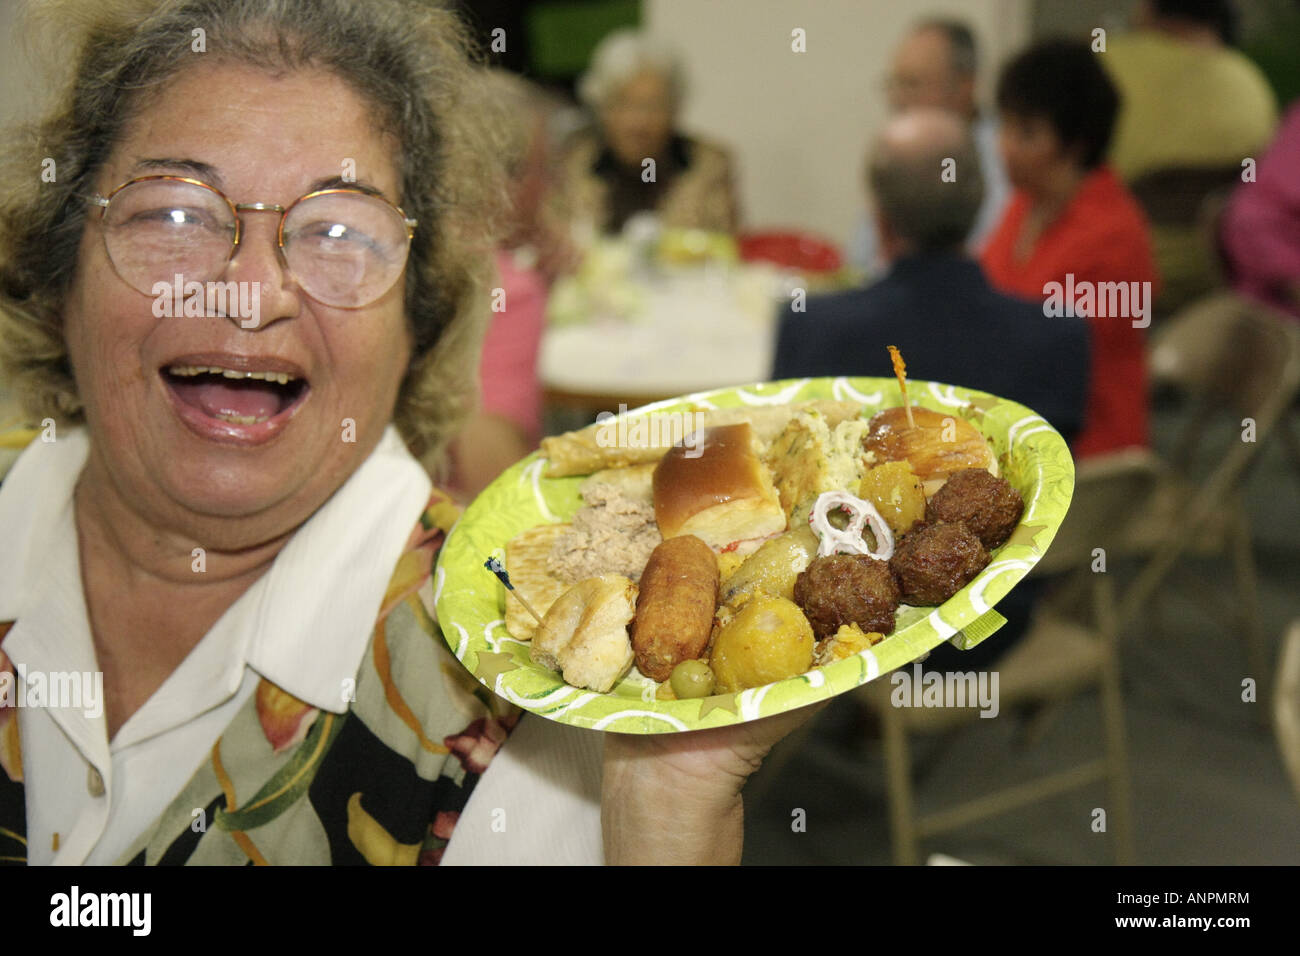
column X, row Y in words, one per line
column 1247, row 591
column 1112, row 712
column 898, row 776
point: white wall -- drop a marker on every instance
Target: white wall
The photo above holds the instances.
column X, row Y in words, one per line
column 799, row 123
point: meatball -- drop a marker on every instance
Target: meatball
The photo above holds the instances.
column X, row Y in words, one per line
column 935, row 561
column 847, row 589
column 988, row 506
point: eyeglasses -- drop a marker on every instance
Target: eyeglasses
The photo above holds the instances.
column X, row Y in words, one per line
column 344, row 247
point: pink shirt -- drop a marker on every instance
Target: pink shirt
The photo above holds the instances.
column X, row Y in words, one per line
column 1260, row 230
column 508, row 371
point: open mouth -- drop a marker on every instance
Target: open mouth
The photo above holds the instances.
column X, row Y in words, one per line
column 235, row 396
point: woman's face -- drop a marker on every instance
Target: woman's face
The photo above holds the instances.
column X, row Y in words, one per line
column 186, row 450
column 638, row 119
column 1031, row 151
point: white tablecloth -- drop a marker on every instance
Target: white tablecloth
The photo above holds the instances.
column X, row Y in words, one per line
column 694, row 329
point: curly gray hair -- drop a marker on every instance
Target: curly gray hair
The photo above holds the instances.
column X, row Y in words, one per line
column 410, row 60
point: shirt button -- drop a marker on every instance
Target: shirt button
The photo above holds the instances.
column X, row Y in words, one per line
column 95, row 783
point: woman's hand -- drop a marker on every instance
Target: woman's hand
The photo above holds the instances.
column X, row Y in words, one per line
column 676, row 798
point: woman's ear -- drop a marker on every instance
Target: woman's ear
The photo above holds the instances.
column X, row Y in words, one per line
column 1074, row 153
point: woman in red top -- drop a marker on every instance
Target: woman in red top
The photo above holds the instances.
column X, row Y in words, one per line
column 1072, row 236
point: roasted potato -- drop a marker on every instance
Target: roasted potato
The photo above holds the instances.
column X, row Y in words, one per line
column 896, row 492
column 768, row 640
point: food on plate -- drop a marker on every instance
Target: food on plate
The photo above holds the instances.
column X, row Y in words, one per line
column 988, row 506
column 844, row 643
column 584, row 635
column 675, row 605
column 693, row 678
column 938, row 446
column 897, row 494
column 729, row 562
column 773, row 567
column 933, row 562
column 716, row 488
column 842, row 589
column 856, row 529
column 765, row 539
column 637, row 439
column 634, row 481
column 811, row 456
column 767, row 640
column 611, row 534
column 526, row 560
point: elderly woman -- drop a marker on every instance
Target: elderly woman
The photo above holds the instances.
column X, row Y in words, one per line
column 249, row 292
column 633, row 160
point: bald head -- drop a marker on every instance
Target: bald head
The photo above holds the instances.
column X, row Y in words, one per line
column 925, row 176
column 922, row 133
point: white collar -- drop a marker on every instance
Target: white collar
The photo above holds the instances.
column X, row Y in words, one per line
column 303, row 625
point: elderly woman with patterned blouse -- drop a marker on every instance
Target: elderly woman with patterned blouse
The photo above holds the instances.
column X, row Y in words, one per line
column 238, row 296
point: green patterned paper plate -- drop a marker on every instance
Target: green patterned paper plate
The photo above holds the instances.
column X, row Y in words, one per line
column 470, row 601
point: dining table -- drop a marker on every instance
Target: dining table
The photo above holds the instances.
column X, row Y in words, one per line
column 630, row 329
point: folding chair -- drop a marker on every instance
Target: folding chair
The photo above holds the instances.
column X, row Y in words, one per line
column 1286, row 706
column 1068, row 650
column 1230, row 356
column 1182, row 205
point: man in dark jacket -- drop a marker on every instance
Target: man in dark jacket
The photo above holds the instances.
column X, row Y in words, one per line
column 935, row 305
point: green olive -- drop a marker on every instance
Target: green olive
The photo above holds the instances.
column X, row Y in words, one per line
column 691, row 679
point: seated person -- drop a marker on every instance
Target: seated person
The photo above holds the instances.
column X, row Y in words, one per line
column 1188, row 98
column 634, row 90
column 1072, row 228
column 1191, row 103
column 935, row 66
column 1259, row 233
column 935, row 305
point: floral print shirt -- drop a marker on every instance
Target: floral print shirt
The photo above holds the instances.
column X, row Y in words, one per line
column 286, row 783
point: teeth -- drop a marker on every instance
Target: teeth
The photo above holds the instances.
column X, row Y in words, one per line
column 187, row 371
column 241, row 419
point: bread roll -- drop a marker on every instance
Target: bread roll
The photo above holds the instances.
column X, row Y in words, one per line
column 714, row 487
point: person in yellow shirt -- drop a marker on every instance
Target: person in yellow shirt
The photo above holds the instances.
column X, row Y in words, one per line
column 1189, row 102
column 1189, row 99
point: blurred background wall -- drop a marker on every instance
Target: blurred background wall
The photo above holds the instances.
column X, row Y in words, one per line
column 800, row 122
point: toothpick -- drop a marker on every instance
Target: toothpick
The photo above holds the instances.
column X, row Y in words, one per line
column 496, row 567
column 900, row 370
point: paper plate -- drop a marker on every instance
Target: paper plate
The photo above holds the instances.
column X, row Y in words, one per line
column 470, row 601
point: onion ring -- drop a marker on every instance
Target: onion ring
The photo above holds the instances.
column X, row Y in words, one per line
column 850, row 540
